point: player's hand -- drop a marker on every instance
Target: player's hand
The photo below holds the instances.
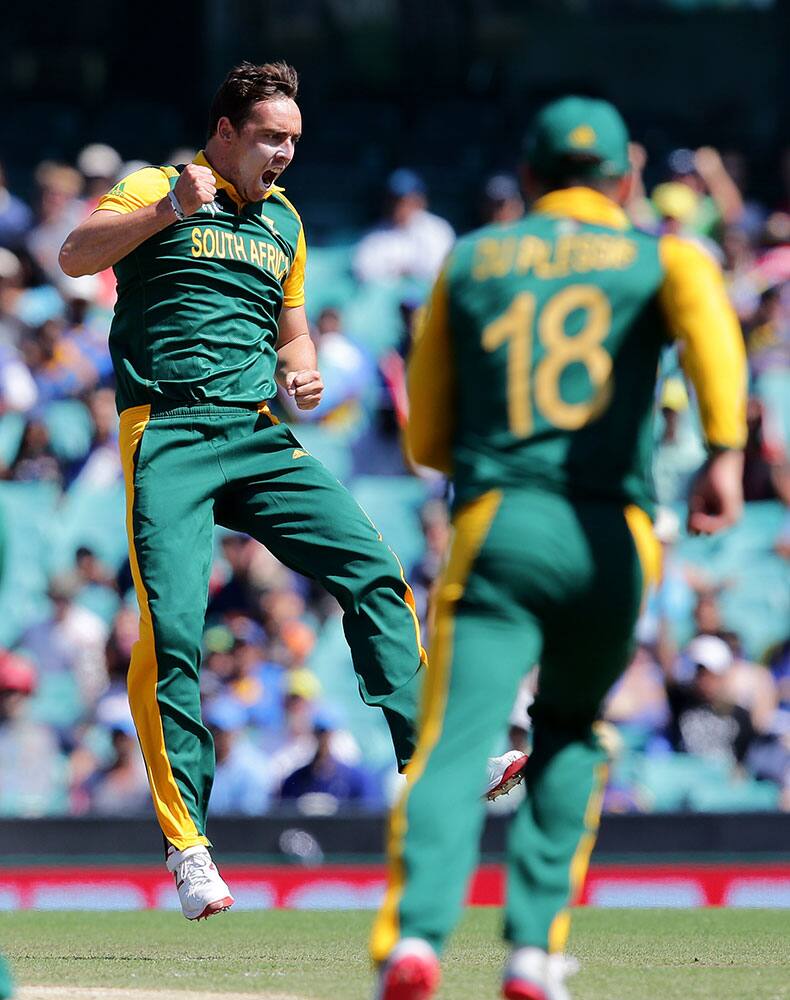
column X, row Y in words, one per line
column 195, row 187
column 305, row 387
column 716, row 499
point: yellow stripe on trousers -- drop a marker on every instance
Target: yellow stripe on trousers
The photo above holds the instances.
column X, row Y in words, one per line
column 176, row 823
column 580, row 862
column 649, row 553
column 647, row 546
column 471, row 525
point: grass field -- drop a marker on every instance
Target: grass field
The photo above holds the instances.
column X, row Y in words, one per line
column 287, row 955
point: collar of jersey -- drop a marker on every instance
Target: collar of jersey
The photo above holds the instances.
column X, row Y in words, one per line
column 584, row 204
column 226, row 186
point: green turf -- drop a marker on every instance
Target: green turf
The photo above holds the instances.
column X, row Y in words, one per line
column 626, row 955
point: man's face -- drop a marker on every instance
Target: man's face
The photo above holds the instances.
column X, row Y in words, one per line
column 263, row 146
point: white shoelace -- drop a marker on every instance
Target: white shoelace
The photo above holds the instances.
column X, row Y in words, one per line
column 195, row 870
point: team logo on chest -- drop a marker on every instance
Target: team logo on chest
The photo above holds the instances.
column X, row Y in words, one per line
column 208, row 241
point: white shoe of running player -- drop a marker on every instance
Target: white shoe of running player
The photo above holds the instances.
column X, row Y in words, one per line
column 504, row 773
column 201, row 889
column 533, row 974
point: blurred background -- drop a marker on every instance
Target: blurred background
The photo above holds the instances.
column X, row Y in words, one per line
column 413, row 119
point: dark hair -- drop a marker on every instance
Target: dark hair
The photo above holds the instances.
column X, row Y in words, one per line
column 247, row 85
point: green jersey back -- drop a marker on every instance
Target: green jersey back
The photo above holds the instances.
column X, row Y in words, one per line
column 556, row 333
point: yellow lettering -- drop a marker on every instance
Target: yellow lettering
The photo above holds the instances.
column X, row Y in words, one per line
column 484, row 252
column 206, row 251
column 263, row 249
column 220, row 237
column 282, row 264
column 197, row 242
column 238, row 246
column 271, row 258
column 531, row 252
column 254, row 258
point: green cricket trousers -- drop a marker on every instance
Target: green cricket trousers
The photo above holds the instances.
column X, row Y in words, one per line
column 189, row 468
column 532, row 577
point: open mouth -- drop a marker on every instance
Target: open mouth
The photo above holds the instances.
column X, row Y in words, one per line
column 268, row 177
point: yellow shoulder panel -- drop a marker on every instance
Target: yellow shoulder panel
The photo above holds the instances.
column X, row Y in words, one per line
column 144, row 187
column 694, row 300
column 293, row 286
column 432, row 388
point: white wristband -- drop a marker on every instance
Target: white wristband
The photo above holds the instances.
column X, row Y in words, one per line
column 176, row 205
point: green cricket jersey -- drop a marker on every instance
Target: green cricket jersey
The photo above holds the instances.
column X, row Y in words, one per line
column 538, row 355
column 198, row 303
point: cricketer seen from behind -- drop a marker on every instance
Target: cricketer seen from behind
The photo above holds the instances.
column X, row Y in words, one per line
column 210, row 259
column 532, row 384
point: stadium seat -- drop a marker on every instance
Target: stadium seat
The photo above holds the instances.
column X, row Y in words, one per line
column 331, row 663
column 393, row 504
column 29, row 514
column 94, row 518
column 70, row 428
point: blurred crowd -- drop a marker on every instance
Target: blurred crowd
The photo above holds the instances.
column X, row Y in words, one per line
column 701, row 719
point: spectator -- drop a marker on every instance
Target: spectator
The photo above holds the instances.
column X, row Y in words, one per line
column 86, row 324
column 704, row 172
column 101, row 467
column 35, row 461
column 435, row 524
column 70, row 640
column 32, row 768
column 121, row 787
column 502, row 200
column 347, row 373
column 410, row 242
column 639, row 698
column 751, row 686
column 680, row 452
column 16, row 218
column 765, row 475
column 100, row 166
column 59, row 211
column 60, row 370
column 327, row 780
column 702, row 719
column 242, row 782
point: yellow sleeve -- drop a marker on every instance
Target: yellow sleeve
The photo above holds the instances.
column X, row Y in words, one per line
column 293, row 286
column 699, row 315
column 431, row 382
column 144, row 187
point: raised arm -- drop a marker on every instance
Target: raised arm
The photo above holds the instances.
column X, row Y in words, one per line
column 137, row 208
column 698, row 312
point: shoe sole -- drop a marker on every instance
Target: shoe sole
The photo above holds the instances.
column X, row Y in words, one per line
column 514, row 775
column 518, row 989
column 410, row 978
column 218, row 906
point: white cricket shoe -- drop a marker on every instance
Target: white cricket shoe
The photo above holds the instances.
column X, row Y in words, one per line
column 505, row 772
column 201, row 889
column 533, row 974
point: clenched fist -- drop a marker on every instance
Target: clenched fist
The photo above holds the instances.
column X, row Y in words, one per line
column 194, row 188
column 305, row 387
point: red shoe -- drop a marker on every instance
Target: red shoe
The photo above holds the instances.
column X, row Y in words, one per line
column 517, row 989
column 505, row 772
column 411, row 972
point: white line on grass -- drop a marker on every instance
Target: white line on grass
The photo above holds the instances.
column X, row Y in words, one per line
column 102, row 993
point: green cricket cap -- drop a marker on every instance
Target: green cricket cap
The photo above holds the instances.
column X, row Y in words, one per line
column 578, row 135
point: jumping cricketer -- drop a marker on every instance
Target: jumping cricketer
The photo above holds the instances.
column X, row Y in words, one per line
column 210, row 318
